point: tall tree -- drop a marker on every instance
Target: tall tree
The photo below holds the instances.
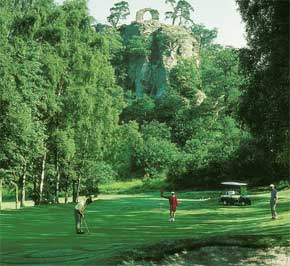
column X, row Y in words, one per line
column 204, row 35
column 119, row 11
column 182, row 11
column 58, row 98
column 265, row 100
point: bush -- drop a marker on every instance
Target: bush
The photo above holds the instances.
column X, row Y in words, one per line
column 138, row 46
column 139, row 109
column 97, row 173
column 127, row 138
column 156, row 130
column 185, row 78
column 104, row 173
column 156, row 155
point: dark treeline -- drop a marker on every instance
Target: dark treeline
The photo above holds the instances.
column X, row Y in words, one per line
column 69, row 119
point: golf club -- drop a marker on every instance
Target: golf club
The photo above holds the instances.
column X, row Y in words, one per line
column 86, row 225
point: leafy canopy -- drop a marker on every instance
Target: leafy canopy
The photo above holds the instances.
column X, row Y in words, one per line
column 119, row 11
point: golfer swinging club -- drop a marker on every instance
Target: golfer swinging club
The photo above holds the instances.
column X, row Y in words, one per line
column 173, row 202
column 79, row 213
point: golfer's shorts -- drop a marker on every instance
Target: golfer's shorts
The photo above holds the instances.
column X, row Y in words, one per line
column 172, row 208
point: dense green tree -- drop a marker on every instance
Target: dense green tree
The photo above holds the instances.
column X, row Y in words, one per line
column 265, row 100
column 138, row 46
column 204, row 35
column 59, row 101
column 221, row 77
column 185, row 78
column 60, row 106
column 156, row 130
column 111, row 42
column 21, row 83
column 126, row 141
column 182, row 11
column 169, row 106
column 156, row 155
column 140, row 109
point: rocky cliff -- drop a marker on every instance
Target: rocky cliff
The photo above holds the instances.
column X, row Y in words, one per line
column 149, row 72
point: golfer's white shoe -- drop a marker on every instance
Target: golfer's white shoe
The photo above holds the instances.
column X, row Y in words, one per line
column 172, row 219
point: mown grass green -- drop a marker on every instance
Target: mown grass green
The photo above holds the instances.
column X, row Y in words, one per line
column 119, row 223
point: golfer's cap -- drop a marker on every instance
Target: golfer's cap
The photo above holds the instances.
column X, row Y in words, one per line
column 272, row 185
column 172, row 192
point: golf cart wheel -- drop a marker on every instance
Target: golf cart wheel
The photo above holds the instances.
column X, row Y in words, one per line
column 243, row 203
column 225, row 202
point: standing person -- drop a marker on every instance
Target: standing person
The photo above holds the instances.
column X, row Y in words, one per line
column 173, row 202
column 79, row 213
column 273, row 201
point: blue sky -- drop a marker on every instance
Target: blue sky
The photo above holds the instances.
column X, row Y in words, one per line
column 220, row 14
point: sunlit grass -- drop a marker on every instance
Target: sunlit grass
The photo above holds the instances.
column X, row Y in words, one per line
column 118, row 223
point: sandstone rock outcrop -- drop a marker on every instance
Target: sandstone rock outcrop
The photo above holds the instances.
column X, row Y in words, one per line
column 167, row 44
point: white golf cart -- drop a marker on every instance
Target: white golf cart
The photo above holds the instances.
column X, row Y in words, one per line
column 235, row 194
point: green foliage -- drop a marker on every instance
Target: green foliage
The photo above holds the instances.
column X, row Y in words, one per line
column 156, row 155
column 60, row 104
column 59, row 101
column 138, row 46
column 204, row 35
column 111, row 42
column 98, row 172
column 249, row 162
column 119, row 12
column 169, row 106
column 215, row 145
column 185, row 78
column 205, row 130
column 156, row 130
column 139, row 109
column 134, row 186
column 182, row 10
column 210, row 145
column 265, row 101
column 220, row 74
column 126, row 140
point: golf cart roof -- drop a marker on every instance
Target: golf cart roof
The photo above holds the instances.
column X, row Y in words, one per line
column 234, row 184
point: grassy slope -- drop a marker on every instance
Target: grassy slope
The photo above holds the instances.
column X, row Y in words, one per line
column 45, row 234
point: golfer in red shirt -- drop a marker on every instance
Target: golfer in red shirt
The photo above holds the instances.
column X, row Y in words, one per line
column 173, row 202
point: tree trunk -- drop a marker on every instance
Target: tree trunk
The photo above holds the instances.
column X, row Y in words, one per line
column 66, row 197
column 35, row 196
column 1, row 187
column 66, row 190
column 57, row 181
column 23, row 188
column 78, row 189
column 57, row 187
column 41, row 183
column 74, row 191
column 16, row 194
column 173, row 21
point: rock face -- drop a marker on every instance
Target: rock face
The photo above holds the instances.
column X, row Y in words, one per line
column 167, row 44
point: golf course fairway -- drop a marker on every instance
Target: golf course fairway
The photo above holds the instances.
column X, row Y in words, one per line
column 44, row 235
